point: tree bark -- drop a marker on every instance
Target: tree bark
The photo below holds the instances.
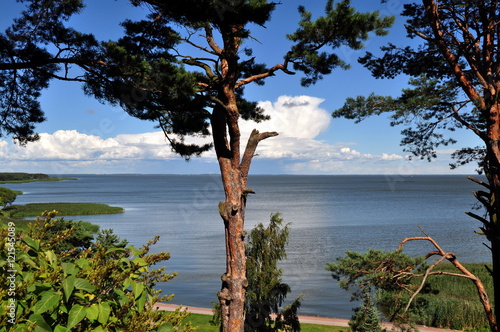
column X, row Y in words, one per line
column 234, row 172
column 493, row 175
column 232, row 212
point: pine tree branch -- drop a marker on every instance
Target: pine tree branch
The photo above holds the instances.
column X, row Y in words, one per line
column 211, row 41
column 253, row 141
column 483, row 296
column 269, row 73
column 432, row 12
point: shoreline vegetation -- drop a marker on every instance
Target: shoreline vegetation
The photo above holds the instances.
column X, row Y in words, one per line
column 63, row 209
column 19, row 177
column 36, row 209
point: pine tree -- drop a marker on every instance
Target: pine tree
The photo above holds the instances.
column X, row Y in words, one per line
column 366, row 318
column 454, row 66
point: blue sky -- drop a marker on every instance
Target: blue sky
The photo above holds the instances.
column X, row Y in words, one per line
column 84, row 136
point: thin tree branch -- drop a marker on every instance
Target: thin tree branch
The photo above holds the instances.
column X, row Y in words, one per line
column 270, row 72
column 483, row 296
column 211, row 41
column 424, row 279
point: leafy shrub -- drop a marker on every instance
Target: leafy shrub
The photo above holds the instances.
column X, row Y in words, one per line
column 7, row 196
column 101, row 289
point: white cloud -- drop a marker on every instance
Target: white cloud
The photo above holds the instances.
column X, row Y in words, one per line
column 298, row 120
column 72, row 145
column 298, row 116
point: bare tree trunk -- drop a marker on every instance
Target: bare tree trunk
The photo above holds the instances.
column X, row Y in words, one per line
column 234, row 168
column 493, row 174
column 234, row 175
column 234, row 282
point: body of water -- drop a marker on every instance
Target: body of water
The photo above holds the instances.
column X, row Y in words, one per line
column 329, row 215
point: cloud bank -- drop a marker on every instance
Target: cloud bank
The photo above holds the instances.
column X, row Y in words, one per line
column 299, row 120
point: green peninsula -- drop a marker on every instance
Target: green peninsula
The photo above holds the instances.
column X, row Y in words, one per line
column 64, row 209
column 18, row 177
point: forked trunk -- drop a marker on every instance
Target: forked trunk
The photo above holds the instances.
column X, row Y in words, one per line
column 232, row 211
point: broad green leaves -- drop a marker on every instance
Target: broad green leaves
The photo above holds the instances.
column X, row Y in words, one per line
column 48, row 302
column 101, row 289
column 76, row 315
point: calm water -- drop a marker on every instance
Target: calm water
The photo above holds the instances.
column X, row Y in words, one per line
column 329, row 215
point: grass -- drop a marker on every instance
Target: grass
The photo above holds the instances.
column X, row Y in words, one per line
column 202, row 322
column 64, row 209
column 453, row 302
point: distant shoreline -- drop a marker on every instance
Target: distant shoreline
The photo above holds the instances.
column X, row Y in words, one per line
column 19, row 177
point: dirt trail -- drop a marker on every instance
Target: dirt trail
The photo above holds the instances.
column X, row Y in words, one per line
column 302, row 319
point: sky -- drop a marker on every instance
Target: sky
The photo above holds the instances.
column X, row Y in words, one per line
column 83, row 136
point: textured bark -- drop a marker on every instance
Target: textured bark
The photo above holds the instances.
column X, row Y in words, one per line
column 482, row 58
column 234, row 173
column 493, row 175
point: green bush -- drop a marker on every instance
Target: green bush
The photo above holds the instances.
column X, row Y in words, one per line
column 80, row 238
column 447, row 301
column 7, row 196
column 101, row 289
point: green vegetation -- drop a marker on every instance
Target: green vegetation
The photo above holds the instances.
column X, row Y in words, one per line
column 81, row 235
column 265, row 291
column 28, row 177
column 99, row 289
column 7, row 196
column 64, row 209
column 447, row 301
column 366, row 318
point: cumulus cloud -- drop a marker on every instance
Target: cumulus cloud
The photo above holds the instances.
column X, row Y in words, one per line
column 299, row 120
column 298, row 116
column 73, row 145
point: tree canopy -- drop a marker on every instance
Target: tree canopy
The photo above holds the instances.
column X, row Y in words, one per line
column 171, row 66
column 454, row 70
column 36, row 48
column 454, row 73
column 185, row 66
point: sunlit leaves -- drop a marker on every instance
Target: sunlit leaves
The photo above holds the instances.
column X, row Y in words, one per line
column 100, row 289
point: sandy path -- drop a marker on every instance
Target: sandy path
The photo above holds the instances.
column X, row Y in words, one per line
column 302, row 319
